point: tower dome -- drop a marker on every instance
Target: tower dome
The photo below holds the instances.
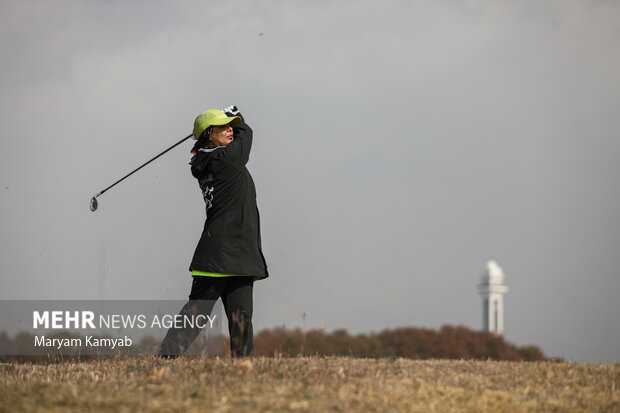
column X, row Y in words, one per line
column 493, row 274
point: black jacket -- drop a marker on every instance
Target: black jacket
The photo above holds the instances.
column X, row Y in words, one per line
column 230, row 241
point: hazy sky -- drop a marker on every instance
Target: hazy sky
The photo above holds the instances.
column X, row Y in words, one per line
column 398, row 147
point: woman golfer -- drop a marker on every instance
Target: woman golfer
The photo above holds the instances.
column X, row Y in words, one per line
column 228, row 258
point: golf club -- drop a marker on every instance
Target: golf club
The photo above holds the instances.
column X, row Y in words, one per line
column 93, row 201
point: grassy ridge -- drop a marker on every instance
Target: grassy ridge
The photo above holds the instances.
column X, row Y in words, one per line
column 315, row 384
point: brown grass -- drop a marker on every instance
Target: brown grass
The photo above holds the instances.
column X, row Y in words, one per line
column 312, row 384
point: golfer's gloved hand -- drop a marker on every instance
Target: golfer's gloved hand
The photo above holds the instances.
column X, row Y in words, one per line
column 231, row 111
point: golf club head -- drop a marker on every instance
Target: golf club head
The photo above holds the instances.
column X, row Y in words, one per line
column 93, row 204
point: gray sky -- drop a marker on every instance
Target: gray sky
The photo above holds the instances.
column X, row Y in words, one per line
column 398, row 147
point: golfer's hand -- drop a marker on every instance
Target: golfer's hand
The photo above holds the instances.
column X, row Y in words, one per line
column 200, row 143
column 231, row 110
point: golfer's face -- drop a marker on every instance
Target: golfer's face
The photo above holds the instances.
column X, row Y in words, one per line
column 221, row 135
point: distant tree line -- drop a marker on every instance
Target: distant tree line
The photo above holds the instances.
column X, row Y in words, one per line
column 416, row 343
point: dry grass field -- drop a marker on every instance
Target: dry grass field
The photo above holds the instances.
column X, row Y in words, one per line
column 308, row 384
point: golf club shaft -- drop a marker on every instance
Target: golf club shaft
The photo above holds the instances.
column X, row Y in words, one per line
column 146, row 163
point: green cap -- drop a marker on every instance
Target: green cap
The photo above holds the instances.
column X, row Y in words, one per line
column 212, row 117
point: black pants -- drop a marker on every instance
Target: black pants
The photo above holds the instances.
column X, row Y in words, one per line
column 236, row 294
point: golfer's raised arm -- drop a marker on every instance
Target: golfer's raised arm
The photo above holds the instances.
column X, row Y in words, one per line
column 238, row 152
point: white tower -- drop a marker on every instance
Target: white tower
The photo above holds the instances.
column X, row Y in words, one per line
column 493, row 290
